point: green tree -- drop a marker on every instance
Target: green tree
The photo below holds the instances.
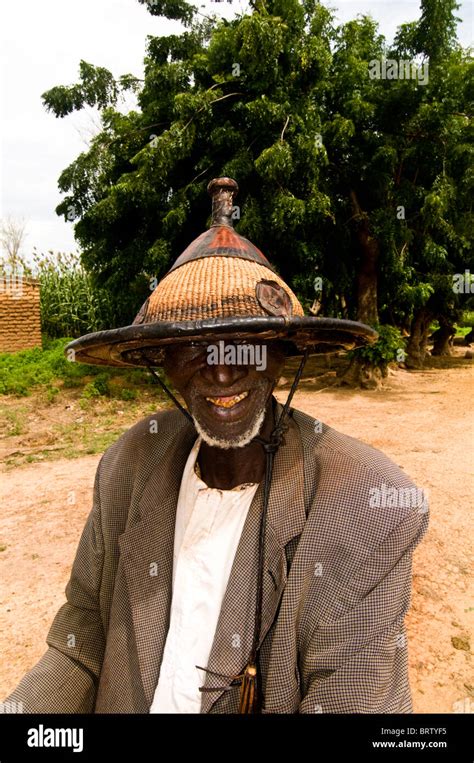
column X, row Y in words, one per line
column 238, row 98
column 435, row 34
column 362, row 181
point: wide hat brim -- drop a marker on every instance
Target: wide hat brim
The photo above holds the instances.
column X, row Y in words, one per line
column 144, row 345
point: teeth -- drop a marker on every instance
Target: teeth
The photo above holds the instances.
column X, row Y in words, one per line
column 227, row 402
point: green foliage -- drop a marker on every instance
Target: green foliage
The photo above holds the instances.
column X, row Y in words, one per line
column 48, row 370
column 52, row 392
column 97, row 87
column 128, row 394
column 19, row 371
column 49, row 367
column 71, row 304
column 281, row 99
column 436, row 32
column 97, row 387
column 388, row 348
column 467, row 319
column 172, row 9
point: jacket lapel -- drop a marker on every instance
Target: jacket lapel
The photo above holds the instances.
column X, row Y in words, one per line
column 146, row 550
column 285, row 519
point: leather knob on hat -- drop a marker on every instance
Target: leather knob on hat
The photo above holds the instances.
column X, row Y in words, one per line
column 273, row 298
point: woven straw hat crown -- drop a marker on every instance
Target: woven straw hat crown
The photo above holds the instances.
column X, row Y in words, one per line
column 218, row 274
column 223, row 286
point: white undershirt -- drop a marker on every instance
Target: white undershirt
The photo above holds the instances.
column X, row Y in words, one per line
column 209, row 524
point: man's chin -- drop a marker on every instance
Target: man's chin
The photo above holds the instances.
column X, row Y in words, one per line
column 240, row 441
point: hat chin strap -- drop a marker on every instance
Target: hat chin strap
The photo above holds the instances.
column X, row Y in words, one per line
column 168, row 391
column 251, row 698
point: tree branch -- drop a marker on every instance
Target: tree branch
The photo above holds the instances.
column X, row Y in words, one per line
column 286, row 124
column 207, row 104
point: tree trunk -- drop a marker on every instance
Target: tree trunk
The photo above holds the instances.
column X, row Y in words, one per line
column 442, row 338
column 362, row 373
column 416, row 347
column 366, row 277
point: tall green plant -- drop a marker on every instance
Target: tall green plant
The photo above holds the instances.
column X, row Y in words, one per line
column 71, row 303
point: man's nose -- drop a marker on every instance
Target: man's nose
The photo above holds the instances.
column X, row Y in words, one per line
column 223, row 374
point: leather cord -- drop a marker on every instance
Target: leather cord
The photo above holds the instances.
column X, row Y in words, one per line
column 168, row 392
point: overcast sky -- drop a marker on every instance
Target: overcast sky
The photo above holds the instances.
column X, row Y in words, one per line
column 42, row 44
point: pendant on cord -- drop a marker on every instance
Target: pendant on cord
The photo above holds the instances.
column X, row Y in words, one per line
column 248, row 690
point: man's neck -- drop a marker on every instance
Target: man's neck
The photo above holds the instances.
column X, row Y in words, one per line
column 225, row 468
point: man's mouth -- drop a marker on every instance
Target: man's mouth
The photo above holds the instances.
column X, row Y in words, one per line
column 227, row 401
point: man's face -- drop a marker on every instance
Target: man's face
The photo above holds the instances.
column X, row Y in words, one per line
column 226, row 386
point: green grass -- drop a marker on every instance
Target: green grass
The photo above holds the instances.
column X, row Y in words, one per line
column 463, row 325
column 467, row 320
column 20, row 371
column 48, row 367
column 69, row 427
column 53, row 408
column 15, row 421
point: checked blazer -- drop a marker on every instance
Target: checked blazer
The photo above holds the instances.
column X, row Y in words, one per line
column 337, row 582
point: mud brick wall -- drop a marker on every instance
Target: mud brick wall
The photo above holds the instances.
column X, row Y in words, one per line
column 20, row 324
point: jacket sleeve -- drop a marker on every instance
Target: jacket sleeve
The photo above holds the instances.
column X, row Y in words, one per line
column 65, row 678
column 356, row 661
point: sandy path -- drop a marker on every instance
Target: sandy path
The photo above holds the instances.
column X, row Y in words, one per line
column 422, row 421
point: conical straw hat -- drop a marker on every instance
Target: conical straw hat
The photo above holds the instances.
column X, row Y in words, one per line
column 222, row 286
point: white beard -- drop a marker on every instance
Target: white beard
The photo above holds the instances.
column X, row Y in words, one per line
column 239, row 442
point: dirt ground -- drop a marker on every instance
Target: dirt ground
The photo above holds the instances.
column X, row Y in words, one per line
column 422, row 420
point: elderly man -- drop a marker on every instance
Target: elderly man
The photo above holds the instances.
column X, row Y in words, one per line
column 235, row 560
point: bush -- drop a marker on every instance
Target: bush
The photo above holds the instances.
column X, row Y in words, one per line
column 389, row 348
column 467, row 319
column 19, row 371
column 48, row 366
column 128, row 394
column 99, row 387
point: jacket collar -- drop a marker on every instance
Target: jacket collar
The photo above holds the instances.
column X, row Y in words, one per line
column 147, row 553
